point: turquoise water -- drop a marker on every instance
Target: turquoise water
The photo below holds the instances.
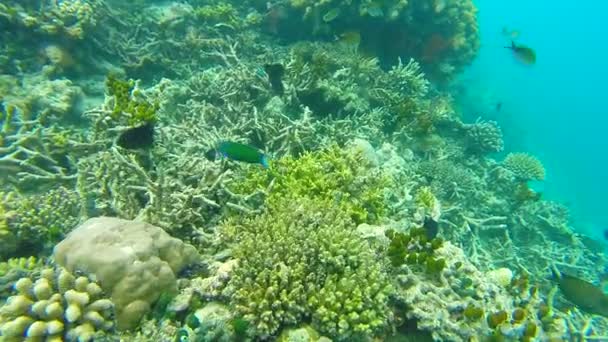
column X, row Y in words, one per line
column 555, row 109
column 301, row 170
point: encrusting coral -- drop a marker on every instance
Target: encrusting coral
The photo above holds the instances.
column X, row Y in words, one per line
column 302, row 260
column 57, row 306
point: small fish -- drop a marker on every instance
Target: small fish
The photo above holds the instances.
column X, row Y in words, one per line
column 509, row 33
column 374, row 9
column 498, row 106
column 606, row 234
column 351, row 38
column 140, row 137
column 275, row 74
column 331, row 15
column 523, row 53
column 583, row 294
column 431, row 226
column 239, row 152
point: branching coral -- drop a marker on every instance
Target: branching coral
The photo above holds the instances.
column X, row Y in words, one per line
column 34, row 222
column 484, row 137
column 340, row 175
column 57, row 306
column 302, row 259
column 524, row 167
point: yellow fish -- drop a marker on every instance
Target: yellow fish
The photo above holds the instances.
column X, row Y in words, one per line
column 352, row 38
column 523, row 53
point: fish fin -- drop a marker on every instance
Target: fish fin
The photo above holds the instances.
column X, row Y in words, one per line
column 211, row 154
column 512, row 47
column 264, row 161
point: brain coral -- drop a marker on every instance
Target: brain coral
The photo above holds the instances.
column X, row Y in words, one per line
column 135, row 262
column 302, row 260
column 524, row 166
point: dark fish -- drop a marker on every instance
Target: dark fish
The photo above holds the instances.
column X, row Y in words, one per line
column 238, row 152
column 583, row 294
column 431, row 226
column 140, row 137
column 606, row 234
column 498, row 106
column 523, row 53
column 275, row 74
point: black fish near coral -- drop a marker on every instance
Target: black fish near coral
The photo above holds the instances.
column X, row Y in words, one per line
column 583, row 294
column 431, row 227
column 275, row 74
column 140, row 137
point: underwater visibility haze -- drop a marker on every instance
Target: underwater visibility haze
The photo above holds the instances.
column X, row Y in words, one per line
column 302, row 170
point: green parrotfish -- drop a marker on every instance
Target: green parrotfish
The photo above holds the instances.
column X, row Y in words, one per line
column 239, row 152
column 522, row 53
column 583, row 294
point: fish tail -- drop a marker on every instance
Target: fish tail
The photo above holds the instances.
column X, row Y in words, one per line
column 512, row 47
column 264, row 161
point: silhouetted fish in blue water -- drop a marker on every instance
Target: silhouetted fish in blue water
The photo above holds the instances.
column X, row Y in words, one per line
column 523, row 53
column 498, row 106
column 140, row 137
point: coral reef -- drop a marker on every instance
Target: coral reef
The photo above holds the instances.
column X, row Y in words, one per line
column 302, row 260
column 57, row 306
column 134, row 262
column 443, row 35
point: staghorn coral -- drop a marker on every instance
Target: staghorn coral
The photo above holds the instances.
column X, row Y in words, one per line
column 57, row 306
column 524, row 167
column 303, row 260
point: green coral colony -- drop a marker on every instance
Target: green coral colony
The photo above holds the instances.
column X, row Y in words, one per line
column 358, row 205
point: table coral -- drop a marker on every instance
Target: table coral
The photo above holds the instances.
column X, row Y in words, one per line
column 57, row 306
column 303, row 260
column 525, row 167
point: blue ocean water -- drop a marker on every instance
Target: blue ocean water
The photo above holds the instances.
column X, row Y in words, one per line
column 555, row 109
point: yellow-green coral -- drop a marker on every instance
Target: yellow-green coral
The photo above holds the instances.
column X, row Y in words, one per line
column 525, row 167
column 303, row 259
column 56, row 306
column 341, row 176
column 129, row 101
column 222, row 13
column 29, row 223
